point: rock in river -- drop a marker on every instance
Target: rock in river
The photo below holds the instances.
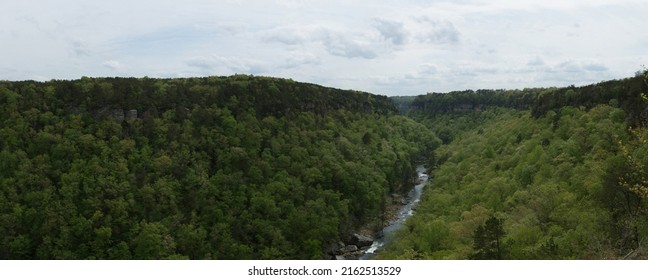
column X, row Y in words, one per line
column 360, row 240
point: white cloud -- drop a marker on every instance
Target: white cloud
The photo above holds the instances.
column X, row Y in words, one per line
column 297, row 59
column 337, row 41
column 286, row 36
column 595, row 67
column 392, row 31
column 215, row 64
column 295, row 35
column 439, row 31
column 112, row 65
column 572, row 66
column 536, row 61
column 350, row 47
column 386, row 47
column 79, row 49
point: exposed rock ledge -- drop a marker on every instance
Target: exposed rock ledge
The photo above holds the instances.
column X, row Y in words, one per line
column 354, row 247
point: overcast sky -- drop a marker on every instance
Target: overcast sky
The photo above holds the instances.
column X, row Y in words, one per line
column 406, row 47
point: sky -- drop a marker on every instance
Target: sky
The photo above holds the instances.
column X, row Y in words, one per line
column 406, row 47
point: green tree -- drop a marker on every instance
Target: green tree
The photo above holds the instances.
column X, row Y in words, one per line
column 487, row 240
column 153, row 242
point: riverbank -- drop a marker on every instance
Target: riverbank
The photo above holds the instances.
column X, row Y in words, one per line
column 398, row 208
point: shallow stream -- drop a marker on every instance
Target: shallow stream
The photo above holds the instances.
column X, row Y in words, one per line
column 406, row 211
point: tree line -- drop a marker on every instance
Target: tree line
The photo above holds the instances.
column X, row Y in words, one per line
column 623, row 93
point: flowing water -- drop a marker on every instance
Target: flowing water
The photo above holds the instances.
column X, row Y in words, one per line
column 413, row 197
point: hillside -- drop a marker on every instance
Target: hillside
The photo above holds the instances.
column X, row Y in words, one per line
column 623, row 93
column 544, row 174
column 234, row 167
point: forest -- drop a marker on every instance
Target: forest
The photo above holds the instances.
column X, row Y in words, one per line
column 236, row 167
column 539, row 174
column 248, row 167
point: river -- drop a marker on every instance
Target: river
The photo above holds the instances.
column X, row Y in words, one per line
column 413, row 198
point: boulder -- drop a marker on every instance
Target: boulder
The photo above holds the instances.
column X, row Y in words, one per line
column 350, row 248
column 360, row 240
column 333, row 248
column 353, row 255
column 397, row 198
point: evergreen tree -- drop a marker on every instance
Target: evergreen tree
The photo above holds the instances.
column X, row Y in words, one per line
column 487, row 242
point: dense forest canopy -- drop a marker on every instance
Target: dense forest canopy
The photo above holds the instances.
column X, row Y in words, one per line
column 234, row 167
column 624, row 93
column 535, row 174
column 246, row 167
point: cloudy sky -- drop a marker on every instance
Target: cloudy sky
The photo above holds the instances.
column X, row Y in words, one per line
column 405, row 47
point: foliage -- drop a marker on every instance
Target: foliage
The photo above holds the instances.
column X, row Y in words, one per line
column 403, row 103
column 487, row 240
column 234, row 167
column 562, row 184
column 627, row 94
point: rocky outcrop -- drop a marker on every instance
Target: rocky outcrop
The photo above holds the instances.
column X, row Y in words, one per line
column 117, row 115
column 131, row 114
column 350, row 248
column 356, row 245
column 360, row 240
column 397, row 198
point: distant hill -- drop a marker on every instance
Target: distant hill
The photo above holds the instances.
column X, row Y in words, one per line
column 624, row 93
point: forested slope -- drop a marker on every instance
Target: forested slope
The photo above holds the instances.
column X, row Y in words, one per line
column 546, row 182
column 206, row 168
column 623, row 93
